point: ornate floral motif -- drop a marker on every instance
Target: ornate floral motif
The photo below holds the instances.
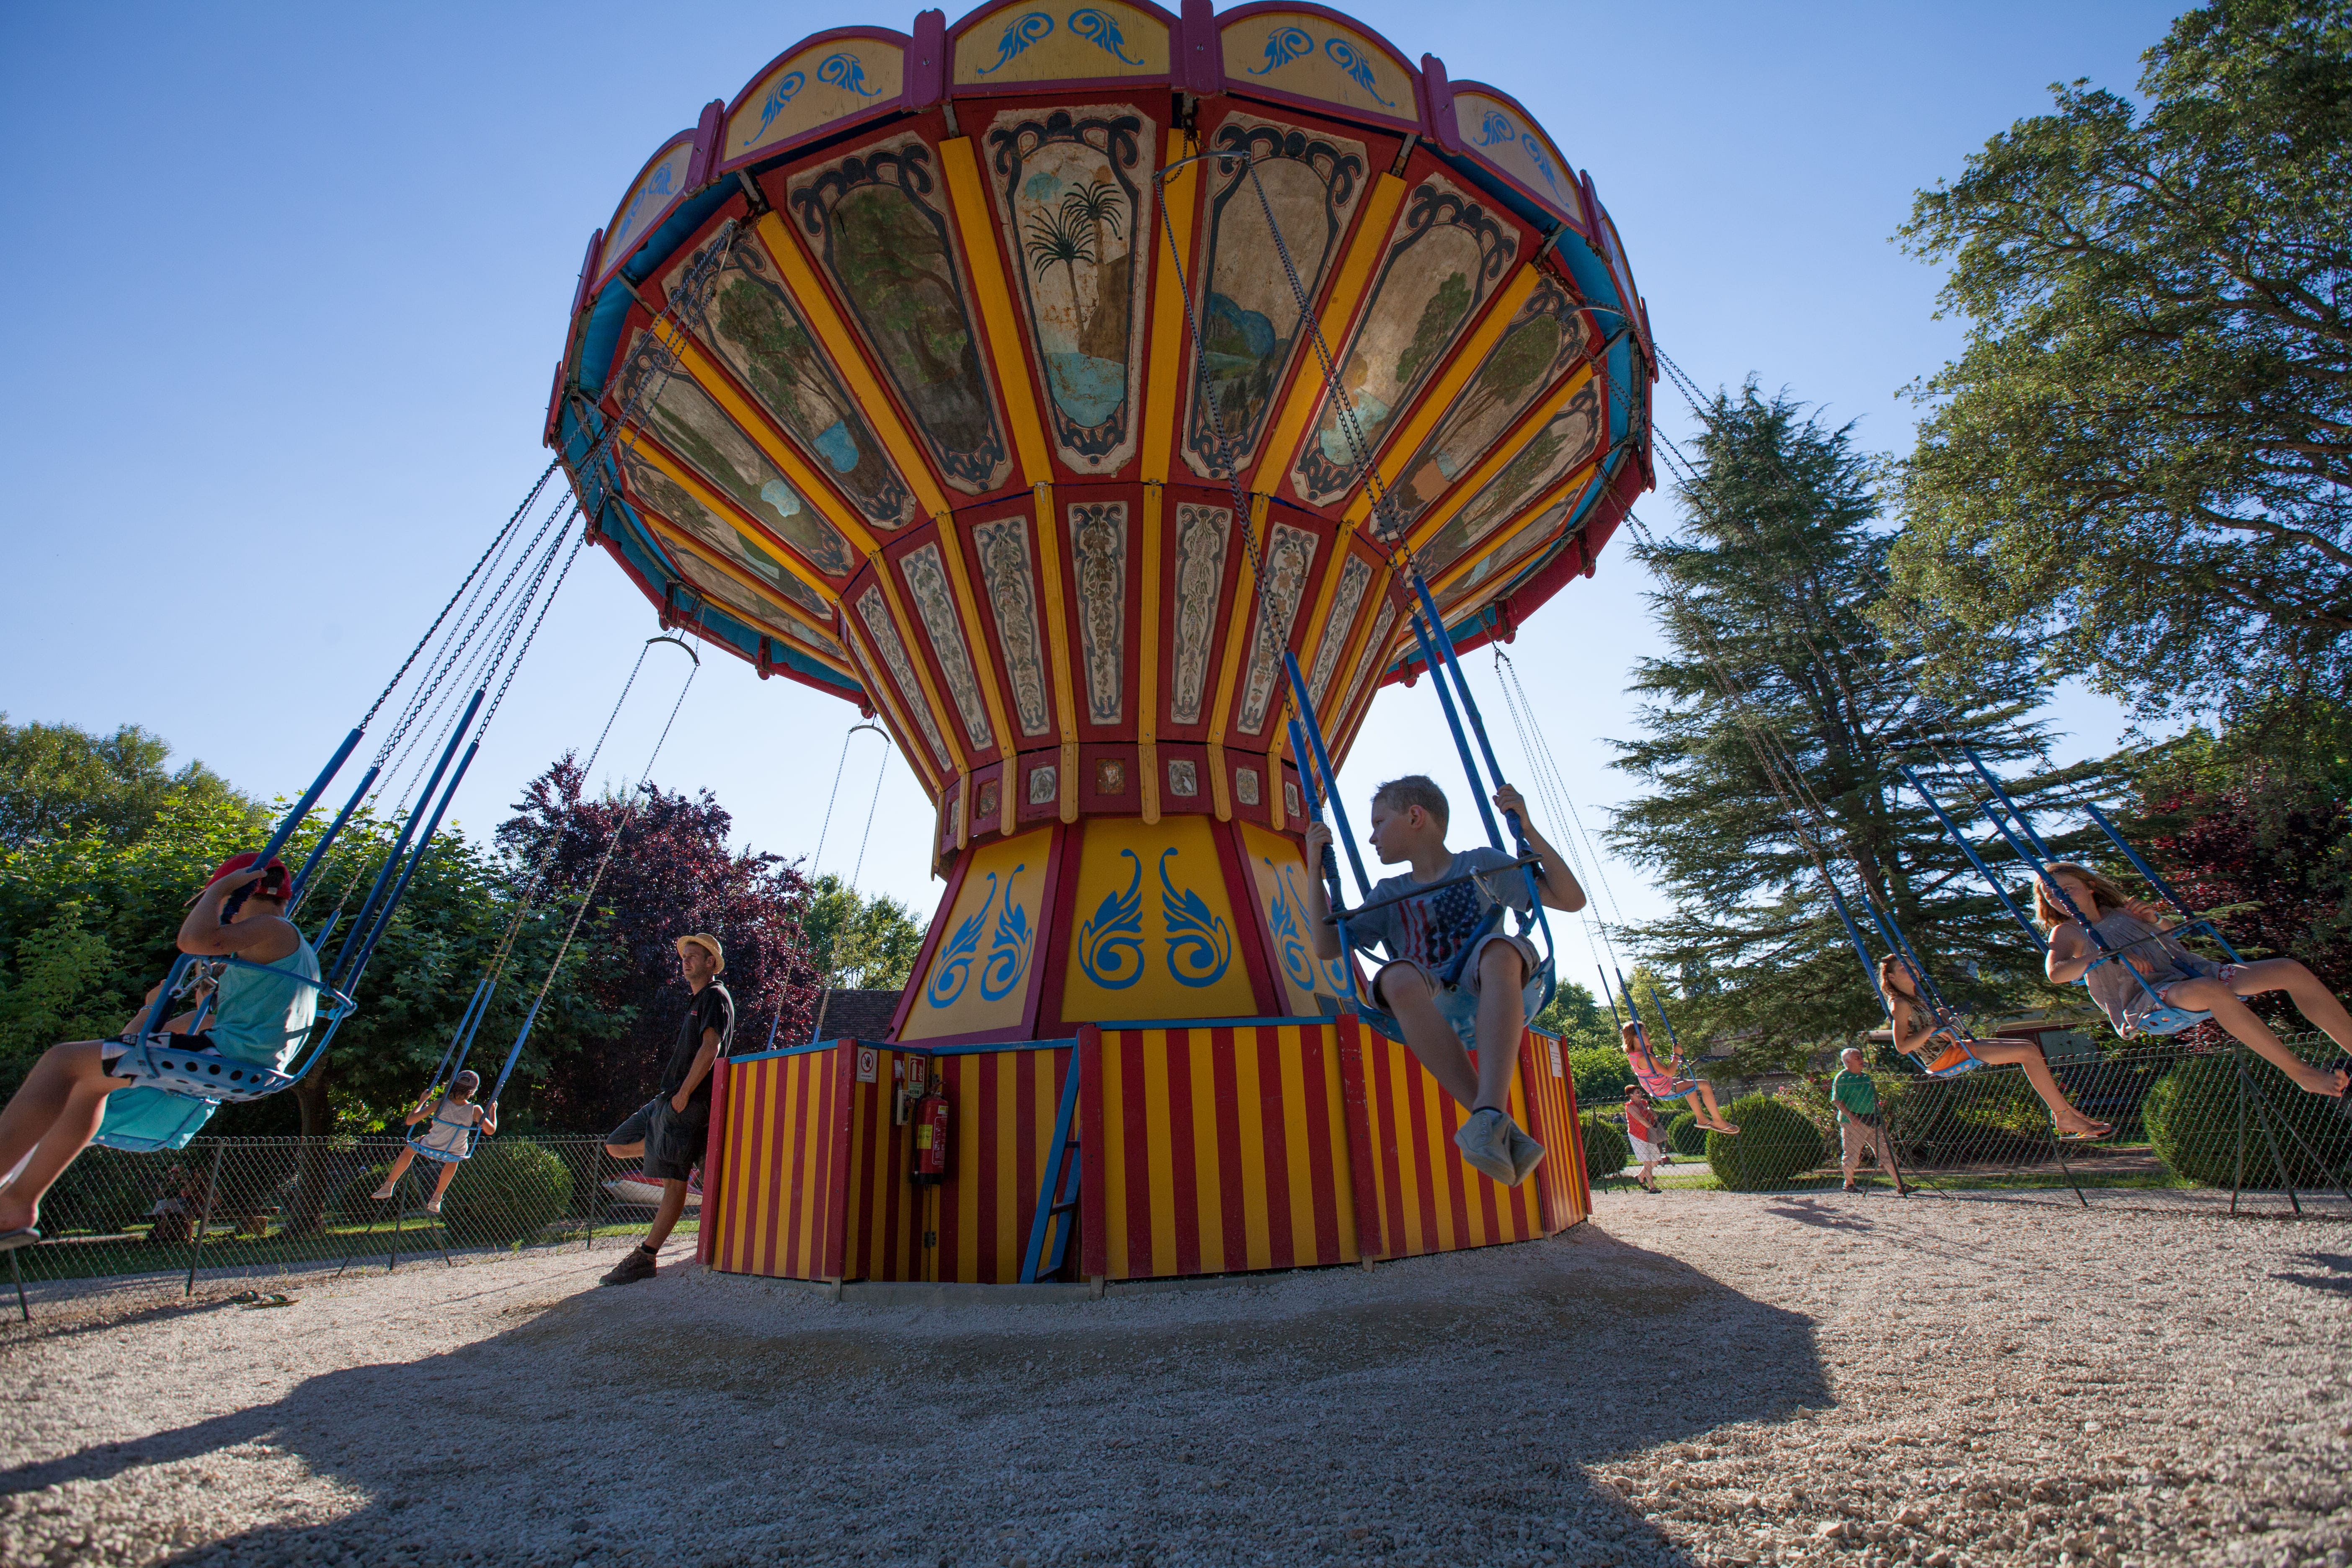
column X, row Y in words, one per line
column 1201, row 532
column 1355, row 577
column 1110, row 776
column 1008, row 951
column 1013, row 599
column 876, row 614
column 1245, row 785
column 1099, row 538
column 926, row 579
column 1183, row 778
column 1283, row 911
column 1199, row 944
column 1110, row 943
column 1290, row 796
column 962, row 949
column 1044, row 785
column 1375, row 654
column 1290, row 552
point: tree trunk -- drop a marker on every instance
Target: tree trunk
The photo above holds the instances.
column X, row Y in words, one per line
column 312, row 1174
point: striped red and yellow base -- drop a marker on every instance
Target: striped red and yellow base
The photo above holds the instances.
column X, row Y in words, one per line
column 1216, row 1148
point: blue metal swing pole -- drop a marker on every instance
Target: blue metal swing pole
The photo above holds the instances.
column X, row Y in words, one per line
column 293, row 818
column 2158, row 883
column 1897, row 943
column 459, row 1036
column 1609, row 997
column 334, row 829
column 2016, row 811
column 1634, row 1007
column 1329, row 869
column 1853, row 935
column 1461, row 741
column 400, row 843
column 1974, row 859
column 424, row 848
column 1330, row 779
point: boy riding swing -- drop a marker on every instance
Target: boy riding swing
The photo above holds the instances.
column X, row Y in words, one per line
column 1427, row 932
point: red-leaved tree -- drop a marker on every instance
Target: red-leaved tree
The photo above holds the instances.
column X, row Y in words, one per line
column 672, row 874
column 2279, row 850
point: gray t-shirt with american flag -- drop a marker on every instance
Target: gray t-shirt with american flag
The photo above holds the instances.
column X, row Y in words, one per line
column 1430, row 930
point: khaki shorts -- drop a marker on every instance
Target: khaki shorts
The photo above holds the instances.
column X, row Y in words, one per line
column 1526, row 948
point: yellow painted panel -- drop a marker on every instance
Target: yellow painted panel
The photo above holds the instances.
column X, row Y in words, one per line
column 979, row 976
column 1004, row 1065
column 1159, row 1155
column 1161, row 387
column 1208, row 1177
column 1335, row 1109
column 1280, row 874
column 1258, row 1250
column 1505, row 137
column 648, row 197
column 1298, row 1173
column 1103, row 39
column 829, row 82
column 976, row 225
column 1111, row 1139
column 1156, row 936
column 1309, row 389
column 1314, row 56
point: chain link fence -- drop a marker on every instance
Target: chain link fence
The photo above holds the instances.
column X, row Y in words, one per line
column 2195, row 1127
column 244, row 1213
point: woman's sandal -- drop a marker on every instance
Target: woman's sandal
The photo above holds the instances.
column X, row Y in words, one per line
column 2091, row 1134
column 23, row 1236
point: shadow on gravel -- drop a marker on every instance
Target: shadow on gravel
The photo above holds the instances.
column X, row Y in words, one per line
column 2337, row 1281
column 1437, row 1410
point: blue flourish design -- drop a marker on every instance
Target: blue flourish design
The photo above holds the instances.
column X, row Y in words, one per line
column 1008, row 954
column 1283, row 45
column 1019, row 34
column 1358, row 68
column 846, row 72
column 1200, row 945
column 1494, row 129
column 792, row 83
column 955, row 964
column 1543, row 164
column 1102, row 31
column 1282, row 915
column 1110, row 943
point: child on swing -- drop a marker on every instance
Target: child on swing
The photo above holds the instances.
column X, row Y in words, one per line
column 1426, row 934
column 1667, row 1083
column 2164, row 972
column 1917, row 1035
column 455, row 1116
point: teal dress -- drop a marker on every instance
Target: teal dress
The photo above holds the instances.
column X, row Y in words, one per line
column 260, row 1015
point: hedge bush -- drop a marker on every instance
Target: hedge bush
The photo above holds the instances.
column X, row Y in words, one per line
column 509, row 1191
column 1685, row 1136
column 1607, row 1150
column 100, row 1193
column 1775, row 1143
column 2192, row 1122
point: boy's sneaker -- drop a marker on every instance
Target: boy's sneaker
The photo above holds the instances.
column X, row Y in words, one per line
column 635, row 1264
column 1486, row 1142
column 1526, row 1154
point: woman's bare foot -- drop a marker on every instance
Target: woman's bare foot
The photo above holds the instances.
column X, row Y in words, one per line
column 2082, row 1127
column 16, row 1214
column 2329, row 1081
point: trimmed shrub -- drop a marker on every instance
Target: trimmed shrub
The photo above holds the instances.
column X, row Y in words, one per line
column 2192, row 1122
column 1685, row 1136
column 354, row 1202
column 1776, row 1142
column 509, row 1191
column 1607, row 1150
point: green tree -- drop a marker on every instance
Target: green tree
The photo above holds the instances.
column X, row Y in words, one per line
column 859, row 943
column 1772, row 729
column 1575, row 1015
column 60, row 781
column 2142, row 461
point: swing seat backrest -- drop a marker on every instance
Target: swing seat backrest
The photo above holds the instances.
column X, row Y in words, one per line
column 201, row 1075
column 445, row 1156
column 2167, row 1020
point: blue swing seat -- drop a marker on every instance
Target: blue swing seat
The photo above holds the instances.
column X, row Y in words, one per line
column 448, row 1157
column 1455, row 1004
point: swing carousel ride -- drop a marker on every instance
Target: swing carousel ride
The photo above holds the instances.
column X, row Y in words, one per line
column 1098, row 395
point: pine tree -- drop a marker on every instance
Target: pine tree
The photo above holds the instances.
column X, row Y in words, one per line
column 1774, row 728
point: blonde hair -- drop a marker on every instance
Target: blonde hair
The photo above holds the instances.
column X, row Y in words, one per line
column 2106, row 894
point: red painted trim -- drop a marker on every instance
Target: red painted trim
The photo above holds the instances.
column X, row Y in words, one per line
column 1323, row 1156
column 580, row 291
column 931, row 939
column 1232, row 1214
column 1196, row 52
column 894, row 549
column 1356, row 1089
column 837, row 1186
column 1282, row 1251
column 707, row 129
column 989, row 1161
column 1183, row 1163
column 927, row 61
column 1137, row 1119
column 1257, row 951
column 1094, row 1178
column 1069, row 856
column 775, row 1103
column 1438, row 103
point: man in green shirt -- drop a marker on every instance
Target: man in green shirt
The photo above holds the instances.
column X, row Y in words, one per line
column 1859, row 1124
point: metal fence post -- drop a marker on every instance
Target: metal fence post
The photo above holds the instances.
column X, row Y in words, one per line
column 203, row 1215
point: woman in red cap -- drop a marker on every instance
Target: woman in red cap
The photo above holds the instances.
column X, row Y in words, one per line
column 265, row 1006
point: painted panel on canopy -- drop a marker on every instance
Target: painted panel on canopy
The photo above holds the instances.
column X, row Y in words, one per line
column 978, row 978
column 652, row 491
column 1315, row 57
column 1497, row 564
column 1507, row 139
column 874, row 612
column 1199, row 542
column 924, row 571
column 750, row 605
column 1338, row 624
column 655, row 189
column 1448, row 254
column 686, row 420
column 883, row 237
column 1542, row 341
column 757, row 331
column 1247, row 310
column 1008, row 573
column 1048, row 43
column 1279, row 870
column 1564, row 443
column 1101, row 548
column 813, row 87
column 1155, row 934
column 1289, row 556
column 1072, row 195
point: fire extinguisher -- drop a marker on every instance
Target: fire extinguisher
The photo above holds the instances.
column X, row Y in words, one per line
column 931, row 1134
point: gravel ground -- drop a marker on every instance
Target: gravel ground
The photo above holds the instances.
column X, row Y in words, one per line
column 1693, row 1378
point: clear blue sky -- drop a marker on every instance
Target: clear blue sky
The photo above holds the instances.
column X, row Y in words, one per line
column 288, row 286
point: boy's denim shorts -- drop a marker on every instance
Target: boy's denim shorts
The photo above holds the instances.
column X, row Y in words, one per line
column 674, row 1140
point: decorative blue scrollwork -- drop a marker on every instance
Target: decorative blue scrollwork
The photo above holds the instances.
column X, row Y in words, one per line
column 1008, row 953
column 1282, row 913
column 1199, row 944
column 1101, row 30
column 846, row 72
column 1283, row 45
column 1534, row 152
column 790, row 84
column 1019, row 34
column 1110, row 943
column 955, row 964
column 1359, row 69
column 1494, row 129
